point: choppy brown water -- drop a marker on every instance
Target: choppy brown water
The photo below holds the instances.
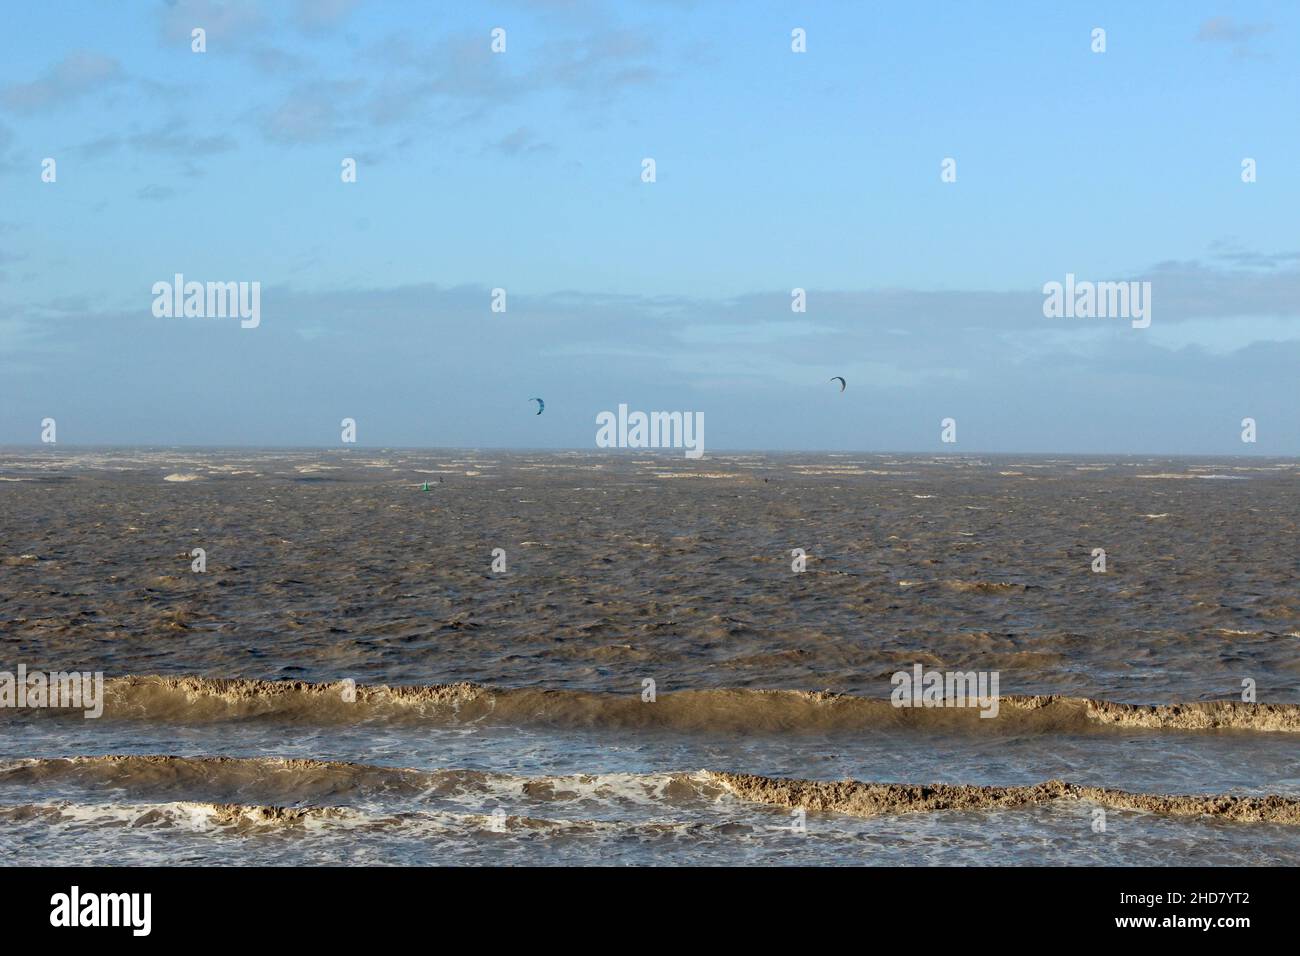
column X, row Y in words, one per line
column 325, row 567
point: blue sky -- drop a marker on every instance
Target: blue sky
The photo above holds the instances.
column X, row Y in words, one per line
column 775, row 170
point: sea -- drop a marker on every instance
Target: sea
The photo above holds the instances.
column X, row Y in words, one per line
column 444, row 657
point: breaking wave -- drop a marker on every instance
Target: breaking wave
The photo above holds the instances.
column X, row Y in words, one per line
column 875, row 799
column 292, row 793
column 201, row 699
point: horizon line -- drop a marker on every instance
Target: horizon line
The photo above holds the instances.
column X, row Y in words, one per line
column 617, row 452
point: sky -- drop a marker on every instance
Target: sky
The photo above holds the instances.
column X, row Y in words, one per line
column 774, row 170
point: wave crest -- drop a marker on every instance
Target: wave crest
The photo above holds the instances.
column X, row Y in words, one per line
column 876, row 799
column 727, row 710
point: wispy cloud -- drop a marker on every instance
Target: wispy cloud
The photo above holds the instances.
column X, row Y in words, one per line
column 155, row 193
column 519, row 142
column 1230, row 251
column 234, row 23
column 1239, row 36
column 173, row 137
column 67, row 81
column 468, row 82
column 309, row 114
column 315, row 16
